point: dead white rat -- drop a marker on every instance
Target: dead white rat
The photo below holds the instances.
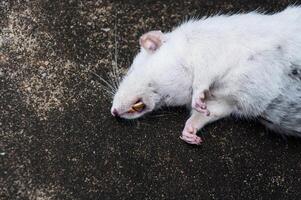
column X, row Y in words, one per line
column 247, row 65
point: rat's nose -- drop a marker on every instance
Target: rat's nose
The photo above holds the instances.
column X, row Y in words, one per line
column 115, row 113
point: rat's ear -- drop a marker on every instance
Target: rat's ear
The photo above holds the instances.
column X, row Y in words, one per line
column 151, row 41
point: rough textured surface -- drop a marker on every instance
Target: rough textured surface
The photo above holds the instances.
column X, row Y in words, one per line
column 58, row 140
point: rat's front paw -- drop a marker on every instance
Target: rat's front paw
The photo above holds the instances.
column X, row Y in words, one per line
column 189, row 135
column 199, row 105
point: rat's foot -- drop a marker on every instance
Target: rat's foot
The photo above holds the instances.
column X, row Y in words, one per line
column 197, row 120
column 200, row 105
column 189, row 135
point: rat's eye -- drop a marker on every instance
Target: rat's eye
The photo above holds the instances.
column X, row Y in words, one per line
column 137, row 107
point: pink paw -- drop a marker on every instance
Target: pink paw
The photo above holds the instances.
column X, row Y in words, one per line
column 189, row 135
column 200, row 106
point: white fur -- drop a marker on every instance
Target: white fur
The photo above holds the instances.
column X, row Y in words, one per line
column 244, row 59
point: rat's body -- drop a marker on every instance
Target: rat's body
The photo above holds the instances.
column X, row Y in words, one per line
column 247, row 65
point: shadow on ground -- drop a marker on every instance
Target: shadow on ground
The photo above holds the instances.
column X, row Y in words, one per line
column 58, row 140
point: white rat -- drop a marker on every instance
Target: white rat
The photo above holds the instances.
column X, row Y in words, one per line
column 248, row 65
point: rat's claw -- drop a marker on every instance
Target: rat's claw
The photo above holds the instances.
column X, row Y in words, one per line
column 194, row 139
column 200, row 106
column 189, row 135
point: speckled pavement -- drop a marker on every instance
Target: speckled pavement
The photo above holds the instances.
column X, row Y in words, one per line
column 59, row 141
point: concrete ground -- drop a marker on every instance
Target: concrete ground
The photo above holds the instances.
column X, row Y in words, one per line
column 59, row 141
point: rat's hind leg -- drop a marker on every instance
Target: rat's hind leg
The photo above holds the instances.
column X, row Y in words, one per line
column 198, row 120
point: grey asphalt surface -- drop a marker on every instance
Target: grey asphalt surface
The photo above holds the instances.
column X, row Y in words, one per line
column 59, row 141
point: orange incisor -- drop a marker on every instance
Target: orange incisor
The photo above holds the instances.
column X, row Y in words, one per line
column 137, row 107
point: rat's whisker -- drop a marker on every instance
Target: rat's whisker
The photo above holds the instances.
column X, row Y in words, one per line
column 111, row 79
column 116, row 75
column 139, row 123
column 108, row 91
column 110, row 87
column 105, row 82
column 161, row 115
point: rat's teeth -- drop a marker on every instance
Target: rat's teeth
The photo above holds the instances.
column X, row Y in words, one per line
column 131, row 110
column 138, row 106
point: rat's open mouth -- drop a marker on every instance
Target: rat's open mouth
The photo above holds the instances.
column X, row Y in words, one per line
column 139, row 106
column 136, row 110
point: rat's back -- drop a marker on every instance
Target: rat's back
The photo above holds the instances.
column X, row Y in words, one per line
column 243, row 34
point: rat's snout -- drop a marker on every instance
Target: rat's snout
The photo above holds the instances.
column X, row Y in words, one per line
column 114, row 112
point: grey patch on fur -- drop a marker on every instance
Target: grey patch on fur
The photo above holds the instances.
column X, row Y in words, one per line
column 279, row 47
column 155, row 91
column 295, row 73
column 283, row 114
column 252, row 57
column 166, row 98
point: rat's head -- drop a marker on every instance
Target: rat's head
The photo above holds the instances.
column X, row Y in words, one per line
column 154, row 79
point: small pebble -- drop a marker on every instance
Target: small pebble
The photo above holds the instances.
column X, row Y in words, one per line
column 105, row 29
